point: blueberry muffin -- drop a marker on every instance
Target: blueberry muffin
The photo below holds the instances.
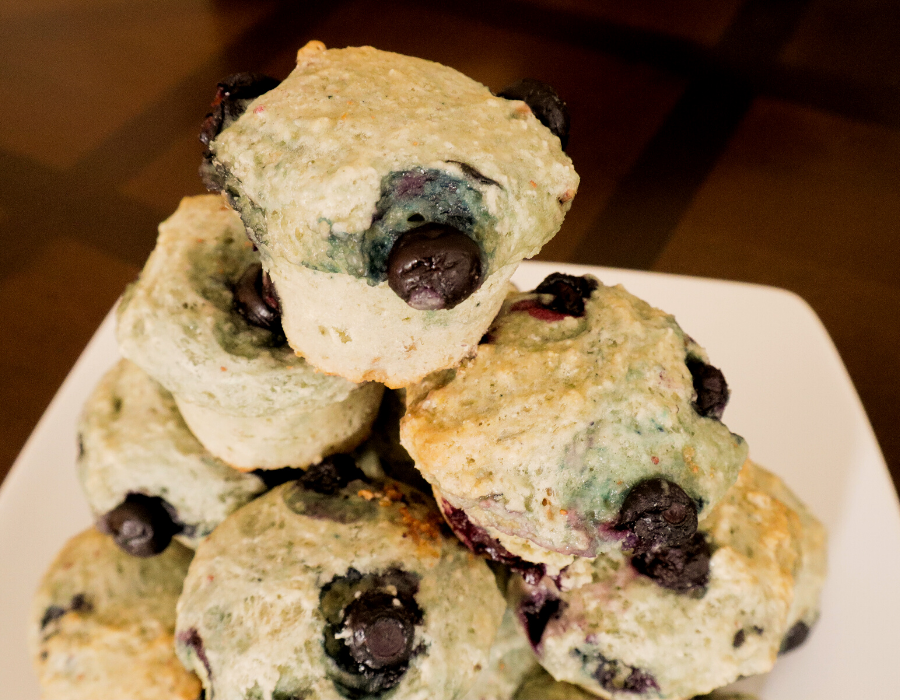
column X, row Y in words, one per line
column 391, row 198
column 103, row 622
column 679, row 622
column 146, row 477
column 336, row 586
column 587, row 421
column 203, row 321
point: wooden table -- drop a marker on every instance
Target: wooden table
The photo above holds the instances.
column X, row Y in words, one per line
column 754, row 140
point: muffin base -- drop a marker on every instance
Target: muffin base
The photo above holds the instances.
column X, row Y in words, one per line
column 290, row 438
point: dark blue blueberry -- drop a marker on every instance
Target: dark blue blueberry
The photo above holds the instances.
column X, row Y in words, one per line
column 331, row 474
column 683, row 568
column 434, row 266
column 233, row 95
column 370, row 631
column 569, row 292
column 54, row 612
column 616, row 676
column 545, row 103
column 256, row 300
column 141, row 525
column 660, row 514
column 535, row 613
column 710, row 387
column 795, row 636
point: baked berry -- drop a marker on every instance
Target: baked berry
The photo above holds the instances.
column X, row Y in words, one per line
column 331, row 474
column 233, row 94
column 684, row 568
column 535, row 614
column 480, row 542
column 569, row 292
column 54, row 612
column 544, row 102
column 795, row 636
column 191, row 639
column 710, row 387
column 434, row 266
column 659, row 514
column 370, row 631
column 141, row 525
column 256, row 301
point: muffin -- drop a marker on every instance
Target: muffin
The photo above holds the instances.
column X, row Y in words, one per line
column 588, row 421
column 146, row 477
column 682, row 622
column 102, row 624
column 336, row 586
column 391, row 199
column 203, row 322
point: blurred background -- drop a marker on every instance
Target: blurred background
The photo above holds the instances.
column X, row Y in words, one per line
column 754, row 140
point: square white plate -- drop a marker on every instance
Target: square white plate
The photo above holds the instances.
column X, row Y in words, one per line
column 791, row 399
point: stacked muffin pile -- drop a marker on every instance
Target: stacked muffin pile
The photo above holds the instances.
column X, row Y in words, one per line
column 609, row 528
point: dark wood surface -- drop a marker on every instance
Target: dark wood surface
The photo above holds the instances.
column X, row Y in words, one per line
column 754, row 140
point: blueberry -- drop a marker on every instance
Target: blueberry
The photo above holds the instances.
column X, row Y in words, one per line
column 660, row 514
column 546, row 105
column 79, row 603
column 141, row 525
column 233, row 95
column 536, row 612
column 54, row 612
column 480, row 542
column 710, row 387
column 256, row 300
column 370, row 631
column 795, row 636
column 331, row 474
column 616, row 676
column 191, row 638
column 434, row 266
column 683, row 568
column 569, row 292
column 381, row 633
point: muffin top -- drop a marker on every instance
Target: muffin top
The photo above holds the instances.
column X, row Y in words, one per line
column 178, row 321
column 578, row 393
column 676, row 623
column 336, row 586
column 358, row 145
column 102, row 623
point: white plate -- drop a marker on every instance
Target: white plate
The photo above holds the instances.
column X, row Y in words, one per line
column 791, row 399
